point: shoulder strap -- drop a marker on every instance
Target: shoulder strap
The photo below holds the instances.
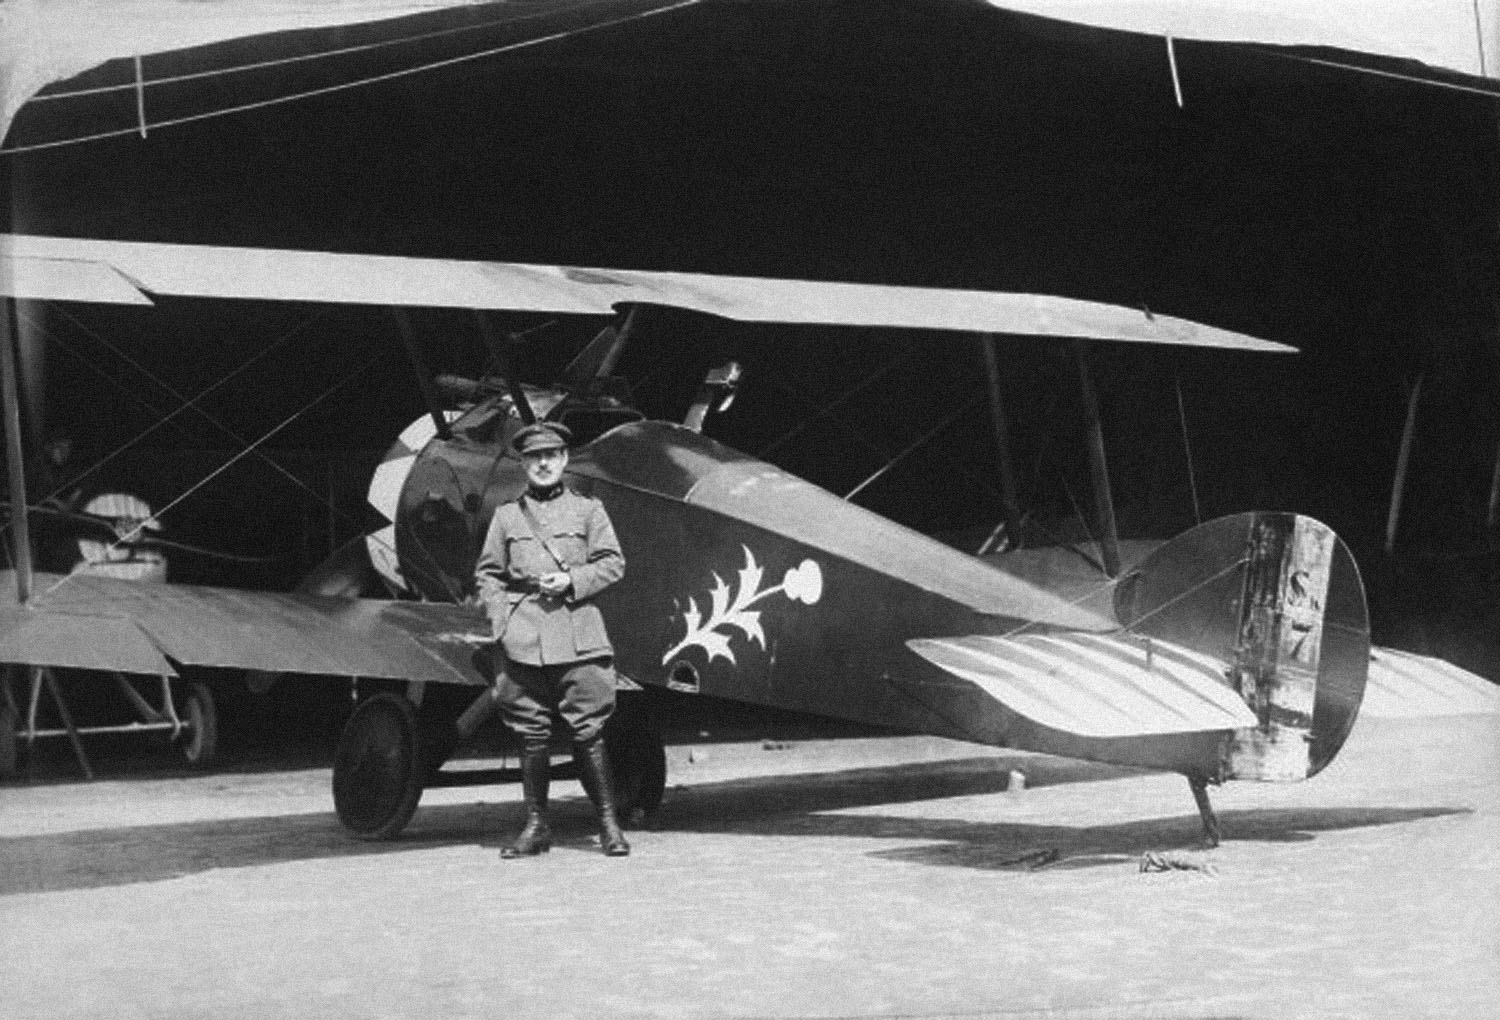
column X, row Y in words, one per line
column 536, row 532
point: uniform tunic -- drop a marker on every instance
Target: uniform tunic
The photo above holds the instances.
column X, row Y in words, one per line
column 538, row 629
column 557, row 647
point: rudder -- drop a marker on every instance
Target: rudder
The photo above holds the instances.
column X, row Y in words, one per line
column 1278, row 598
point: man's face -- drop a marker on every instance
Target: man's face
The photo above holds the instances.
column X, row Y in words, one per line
column 545, row 467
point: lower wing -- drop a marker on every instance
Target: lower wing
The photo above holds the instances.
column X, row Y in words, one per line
column 105, row 623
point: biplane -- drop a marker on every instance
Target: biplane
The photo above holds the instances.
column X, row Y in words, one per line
column 1239, row 650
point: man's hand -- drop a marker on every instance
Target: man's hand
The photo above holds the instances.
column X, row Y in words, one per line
column 555, row 584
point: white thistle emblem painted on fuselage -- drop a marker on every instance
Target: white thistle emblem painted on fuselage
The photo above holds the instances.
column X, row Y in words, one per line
column 731, row 611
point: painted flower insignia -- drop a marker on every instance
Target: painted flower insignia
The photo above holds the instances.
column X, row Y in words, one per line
column 730, row 610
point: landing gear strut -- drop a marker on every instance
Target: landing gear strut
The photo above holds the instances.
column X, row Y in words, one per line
column 1211, row 831
column 387, row 755
column 377, row 769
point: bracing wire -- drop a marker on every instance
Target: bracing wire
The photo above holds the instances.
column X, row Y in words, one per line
column 1031, row 625
column 859, row 435
column 302, row 58
column 207, row 417
column 187, row 404
column 143, row 125
column 832, row 406
column 269, row 349
column 921, row 441
column 357, row 83
column 1187, row 448
column 1083, row 521
column 345, row 380
column 1492, row 92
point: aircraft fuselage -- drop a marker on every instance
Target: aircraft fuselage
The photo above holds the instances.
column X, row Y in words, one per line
column 747, row 583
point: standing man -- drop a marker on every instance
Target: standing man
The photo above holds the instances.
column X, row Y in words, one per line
column 547, row 554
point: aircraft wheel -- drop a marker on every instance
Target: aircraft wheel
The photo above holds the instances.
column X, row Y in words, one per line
column 637, row 760
column 378, row 770
column 7, row 742
column 197, row 711
column 437, row 740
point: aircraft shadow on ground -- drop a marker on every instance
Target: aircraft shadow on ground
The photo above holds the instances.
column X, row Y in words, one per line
column 780, row 805
column 1028, row 847
column 808, row 806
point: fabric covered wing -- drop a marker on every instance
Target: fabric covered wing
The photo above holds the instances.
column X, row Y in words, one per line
column 106, row 623
column 77, row 639
column 1095, row 685
column 67, row 280
column 286, row 275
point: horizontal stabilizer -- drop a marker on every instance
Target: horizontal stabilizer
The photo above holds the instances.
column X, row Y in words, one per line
column 1407, row 685
column 91, row 622
column 1095, row 685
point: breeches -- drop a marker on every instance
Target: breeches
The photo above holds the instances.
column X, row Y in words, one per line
column 583, row 693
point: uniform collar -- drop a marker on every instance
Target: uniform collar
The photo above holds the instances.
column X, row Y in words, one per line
column 546, row 495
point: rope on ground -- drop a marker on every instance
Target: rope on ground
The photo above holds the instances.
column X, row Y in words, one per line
column 1162, row 860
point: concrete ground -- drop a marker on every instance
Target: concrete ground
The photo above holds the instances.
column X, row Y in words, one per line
column 819, row 878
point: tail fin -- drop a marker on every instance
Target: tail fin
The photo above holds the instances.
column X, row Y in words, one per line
column 1279, row 598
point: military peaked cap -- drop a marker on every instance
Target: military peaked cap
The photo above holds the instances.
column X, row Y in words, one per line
column 544, row 435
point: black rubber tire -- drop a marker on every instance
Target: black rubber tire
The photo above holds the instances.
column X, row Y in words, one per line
column 200, row 742
column 637, row 760
column 438, row 739
column 378, row 770
column 8, row 762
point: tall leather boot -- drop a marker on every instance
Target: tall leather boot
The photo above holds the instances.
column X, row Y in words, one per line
column 601, row 788
column 536, row 836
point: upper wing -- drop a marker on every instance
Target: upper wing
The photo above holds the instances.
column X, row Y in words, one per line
column 114, row 271
column 106, row 623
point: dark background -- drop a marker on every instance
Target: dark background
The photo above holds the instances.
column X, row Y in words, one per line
column 947, row 143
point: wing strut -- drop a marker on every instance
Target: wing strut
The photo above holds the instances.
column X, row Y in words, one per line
column 598, row 359
column 989, row 345
column 10, row 407
column 499, row 348
column 1494, row 511
column 1104, row 501
column 1403, row 463
column 419, row 367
